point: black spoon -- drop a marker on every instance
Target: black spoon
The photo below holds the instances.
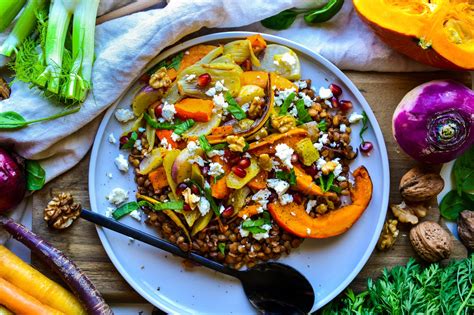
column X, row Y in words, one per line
column 272, row 288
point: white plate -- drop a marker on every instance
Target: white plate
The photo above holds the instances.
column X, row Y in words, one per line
column 330, row 264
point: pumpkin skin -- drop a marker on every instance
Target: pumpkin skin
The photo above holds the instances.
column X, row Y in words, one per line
column 438, row 34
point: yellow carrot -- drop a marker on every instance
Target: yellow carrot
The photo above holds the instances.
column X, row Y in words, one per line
column 21, row 302
column 23, row 276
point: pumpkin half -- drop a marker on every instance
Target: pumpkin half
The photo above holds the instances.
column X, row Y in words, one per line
column 439, row 33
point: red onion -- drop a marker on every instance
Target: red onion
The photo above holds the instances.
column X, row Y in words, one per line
column 12, row 181
column 434, row 123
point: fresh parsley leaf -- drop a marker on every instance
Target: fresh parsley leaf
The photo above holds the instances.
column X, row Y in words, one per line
column 289, row 177
column 234, row 108
column 464, row 171
column 182, row 127
column 131, row 141
column 286, row 103
column 221, row 247
column 322, row 125
column 454, row 203
column 303, row 114
column 125, row 209
column 35, row 175
column 205, row 145
column 365, row 126
column 254, row 229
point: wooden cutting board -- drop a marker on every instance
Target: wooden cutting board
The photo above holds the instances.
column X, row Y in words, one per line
column 383, row 92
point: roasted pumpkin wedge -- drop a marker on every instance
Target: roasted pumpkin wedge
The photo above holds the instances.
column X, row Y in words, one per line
column 438, row 33
column 294, row 219
column 306, row 185
column 268, row 144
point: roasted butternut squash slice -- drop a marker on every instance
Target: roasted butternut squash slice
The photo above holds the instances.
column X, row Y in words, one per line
column 294, row 219
column 306, row 185
column 268, row 144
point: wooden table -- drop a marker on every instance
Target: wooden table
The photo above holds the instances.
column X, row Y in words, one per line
column 81, row 243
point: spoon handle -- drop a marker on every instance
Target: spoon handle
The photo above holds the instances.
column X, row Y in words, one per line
column 154, row 241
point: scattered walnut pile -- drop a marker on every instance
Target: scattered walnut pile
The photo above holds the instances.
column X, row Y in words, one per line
column 61, row 211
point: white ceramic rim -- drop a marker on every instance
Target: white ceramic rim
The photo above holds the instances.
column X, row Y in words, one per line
column 275, row 39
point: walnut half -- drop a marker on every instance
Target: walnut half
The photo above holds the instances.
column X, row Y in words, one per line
column 61, row 211
column 389, row 235
column 408, row 213
column 430, row 241
column 466, row 228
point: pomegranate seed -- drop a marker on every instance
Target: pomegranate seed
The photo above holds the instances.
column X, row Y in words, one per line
column 228, row 212
column 311, row 170
column 240, row 172
column 195, row 189
column 229, row 155
column 273, row 197
column 181, row 187
column 123, row 140
column 158, row 110
column 297, row 198
column 244, row 163
column 366, row 147
column 334, row 102
column 187, row 207
column 345, row 105
column 203, row 80
column 335, row 89
column 246, row 65
column 294, row 158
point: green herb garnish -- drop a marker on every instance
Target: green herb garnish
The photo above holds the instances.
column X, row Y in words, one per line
column 158, row 125
column 365, row 126
column 125, row 209
column 303, row 114
column 326, row 182
column 35, row 175
column 205, row 145
column 181, row 128
column 131, row 141
column 234, row 108
column 13, row 120
column 255, row 226
column 174, row 63
column 221, row 247
column 322, row 125
column 206, row 192
column 286, row 103
column 175, row 205
column 289, row 177
column 220, row 146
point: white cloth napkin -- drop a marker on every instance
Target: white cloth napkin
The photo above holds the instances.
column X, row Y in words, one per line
column 124, row 47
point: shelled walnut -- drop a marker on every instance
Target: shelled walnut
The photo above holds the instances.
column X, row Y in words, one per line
column 430, row 241
column 418, row 185
column 389, row 235
column 466, row 228
column 409, row 213
column 160, row 79
column 61, row 211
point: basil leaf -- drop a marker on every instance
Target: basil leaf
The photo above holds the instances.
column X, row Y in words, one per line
column 365, row 126
column 234, row 108
column 453, row 203
column 289, row 177
column 221, row 247
column 286, row 103
column 464, row 171
column 35, row 175
column 336, row 189
column 253, row 223
column 326, row 182
column 157, row 125
column 303, row 114
column 246, row 147
column 131, row 141
column 182, row 127
column 125, row 209
column 12, row 120
column 168, row 205
column 322, row 125
column 174, row 63
column 205, row 145
column 281, row 21
column 220, row 146
column 255, row 230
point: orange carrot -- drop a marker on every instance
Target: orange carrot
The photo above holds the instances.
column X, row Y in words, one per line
column 248, row 211
column 219, row 189
column 281, row 83
column 166, row 134
column 257, row 42
column 194, row 108
column 222, row 131
column 194, row 54
column 158, row 178
column 34, row 283
column 259, row 182
column 259, row 78
column 172, row 74
column 20, row 302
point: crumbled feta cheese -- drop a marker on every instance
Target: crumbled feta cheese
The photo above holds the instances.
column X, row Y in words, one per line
column 338, row 170
column 308, row 231
column 328, row 103
column 204, row 206
column 261, row 197
column 138, row 145
column 198, row 160
column 320, row 163
column 192, row 147
column 213, row 153
column 280, row 186
column 284, row 152
column 263, row 235
column 245, row 217
column 324, row 139
column 341, row 178
column 211, row 92
column 301, row 84
column 117, row 196
column 247, row 155
column 245, row 107
column 141, row 129
column 164, row 143
column 121, row 163
column 109, row 211
column 287, row 60
column 168, row 111
column 136, row 215
column 123, row 115
column 293, row 111
column 109, row 175
column 286, row 199
column 219, row 101
column 243, row 233
column 220, row 86
column 215, row 169
column 325, row 93
column 308, row 102
column 310, row 205
column 342, row 127
column 207, row 185
column 260, row 209
column 282, row 95
column 175, row 137
column 333, row 144
column 221, row 209
column 318, row 146
column 112, row 138
column 189, row 77
column 355, row 117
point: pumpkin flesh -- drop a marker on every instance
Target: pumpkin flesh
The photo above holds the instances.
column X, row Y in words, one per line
column 438, row 33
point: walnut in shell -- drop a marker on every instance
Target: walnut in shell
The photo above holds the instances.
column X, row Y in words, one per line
column 466, row 228
column 418, row 185
column 430, row 241
column 61, row 211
